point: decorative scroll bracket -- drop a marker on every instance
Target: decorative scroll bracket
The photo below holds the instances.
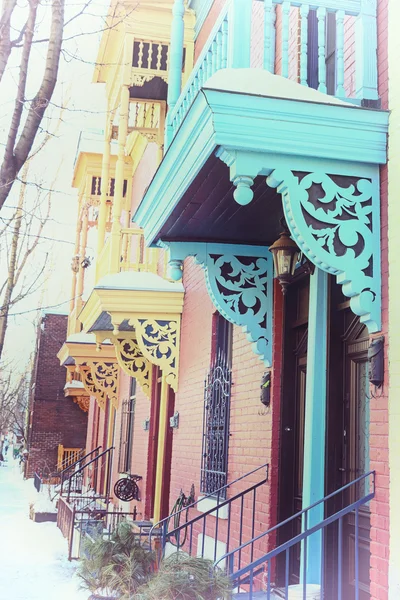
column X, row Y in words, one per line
column 102, row 381
column 335, row 221
column 131, row 360
column 158, row 340
column 239, row 282
column 91, row 387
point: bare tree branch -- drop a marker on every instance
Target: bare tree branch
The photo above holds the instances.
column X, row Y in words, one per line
column 17, row 151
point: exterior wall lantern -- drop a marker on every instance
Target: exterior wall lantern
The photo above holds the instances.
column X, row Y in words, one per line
column 286, row 255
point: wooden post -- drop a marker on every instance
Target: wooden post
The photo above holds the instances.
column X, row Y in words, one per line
column 105, row 181
column 175, row 61
column 82, row 254
column 366, row 52
column 239, row 35
column 315, row 420
column 119, row 181
column 162, row 435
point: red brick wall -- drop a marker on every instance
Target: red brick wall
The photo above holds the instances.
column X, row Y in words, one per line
column 54, row 419
column 379, row 430
column 254, row 431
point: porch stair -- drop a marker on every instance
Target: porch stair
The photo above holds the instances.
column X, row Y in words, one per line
column 244, row 573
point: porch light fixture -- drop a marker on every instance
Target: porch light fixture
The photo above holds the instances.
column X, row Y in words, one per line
column 286, row 255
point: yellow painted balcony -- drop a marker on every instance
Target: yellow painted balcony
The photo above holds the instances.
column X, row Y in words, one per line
column 146, row 42
column 133, row 255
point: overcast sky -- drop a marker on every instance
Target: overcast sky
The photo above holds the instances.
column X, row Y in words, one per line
column 85, row 110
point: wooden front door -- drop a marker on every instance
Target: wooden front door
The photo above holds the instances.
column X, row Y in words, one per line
column 347, row 444
column 347, row 428
column 292, row 418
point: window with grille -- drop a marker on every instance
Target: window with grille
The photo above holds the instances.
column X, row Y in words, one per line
column 127, row 424
column 217, row 396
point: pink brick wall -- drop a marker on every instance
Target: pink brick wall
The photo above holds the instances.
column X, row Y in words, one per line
column 379, row 431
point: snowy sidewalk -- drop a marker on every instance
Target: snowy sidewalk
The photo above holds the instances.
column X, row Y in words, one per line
column 33, row 556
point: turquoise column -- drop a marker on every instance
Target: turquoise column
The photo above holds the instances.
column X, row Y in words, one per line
column 315, row 420
column 175, row 61
column 239, row 34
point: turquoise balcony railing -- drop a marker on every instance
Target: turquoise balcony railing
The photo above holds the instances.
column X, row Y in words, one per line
column 330, row 45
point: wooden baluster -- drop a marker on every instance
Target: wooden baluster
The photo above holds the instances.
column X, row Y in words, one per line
column 208, row 64
column 140, row 57
column 137, row 108
column 144, row 113
column 285, row 37
column 167, row 59
column 304, row 10
column 200, row 78
column 150, row 55
column 214, row 51
column 268, row 50
column 224, row 45
column 219, row 50
column 159, row 52
column 321, row 16
column 340, row 92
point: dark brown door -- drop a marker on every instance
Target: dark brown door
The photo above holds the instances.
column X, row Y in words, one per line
column 348, row 443
column 292, row 418
column 356, row 455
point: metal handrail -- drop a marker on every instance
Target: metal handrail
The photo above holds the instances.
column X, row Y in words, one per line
column 213, row 496
column 108, row 451
column 238, row 575
column 80, row 460
column 161, row 528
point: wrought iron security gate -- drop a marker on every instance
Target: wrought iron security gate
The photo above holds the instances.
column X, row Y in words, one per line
column 217, row 394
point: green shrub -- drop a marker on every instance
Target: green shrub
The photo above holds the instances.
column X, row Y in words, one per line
column 182, row 577
column 115, row 567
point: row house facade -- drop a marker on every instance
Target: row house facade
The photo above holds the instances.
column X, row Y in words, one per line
column 57, row 415
column 234, row 344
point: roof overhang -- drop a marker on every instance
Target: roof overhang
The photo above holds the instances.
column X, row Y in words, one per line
column 82, row 347
column 141, row 314
column 254, row 122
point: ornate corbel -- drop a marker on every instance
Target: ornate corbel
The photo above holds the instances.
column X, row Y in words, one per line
column 239, row 282
column 335, row 221
column 83, row 402
column 158, row 341
column 91, row 387
column 106, row 377
column 132, row 361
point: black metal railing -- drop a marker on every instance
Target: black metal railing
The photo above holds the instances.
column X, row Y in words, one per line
column 91, row 481
column 182, row 536
column 77, row 525
column 70, row 470
column 247, row 576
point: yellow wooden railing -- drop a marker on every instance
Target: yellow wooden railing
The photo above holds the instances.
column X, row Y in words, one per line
column 134, row 255
column 67, row 456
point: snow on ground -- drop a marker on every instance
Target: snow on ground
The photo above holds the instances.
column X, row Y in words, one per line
column 33, row 556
